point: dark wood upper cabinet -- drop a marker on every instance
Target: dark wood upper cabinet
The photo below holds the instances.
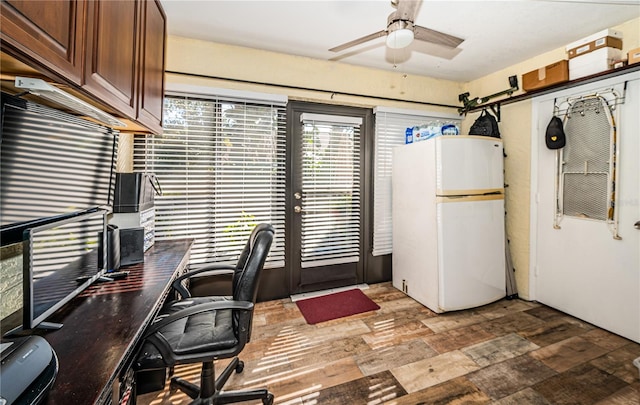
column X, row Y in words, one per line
column 152, row 52
column 49, row 33
column 111, row 50
column 111, row 53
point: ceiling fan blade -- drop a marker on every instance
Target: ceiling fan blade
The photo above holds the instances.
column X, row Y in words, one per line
column 407, row 9
column 436, row 37
column 435, row 50
column 359, row 41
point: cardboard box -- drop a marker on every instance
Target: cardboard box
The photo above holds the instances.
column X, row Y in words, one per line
column 619, row 63
column 594, row 37
column 546, row 76
column 633, row 56
column 606, row 42
column 594, row 62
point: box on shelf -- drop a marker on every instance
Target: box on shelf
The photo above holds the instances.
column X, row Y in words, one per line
column 594, row 37
column 594, row 62
column 605, row 42
column 554, row 73
column 619, row 63
column 633, row 56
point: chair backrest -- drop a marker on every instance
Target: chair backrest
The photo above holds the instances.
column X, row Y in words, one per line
column 246, row 277
column 243, row 257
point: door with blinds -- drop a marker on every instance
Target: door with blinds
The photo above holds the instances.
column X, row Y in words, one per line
column 326, row 202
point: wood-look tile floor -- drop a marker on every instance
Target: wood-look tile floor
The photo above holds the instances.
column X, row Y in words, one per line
column 509, row 352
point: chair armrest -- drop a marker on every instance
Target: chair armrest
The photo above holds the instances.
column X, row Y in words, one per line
column 245, row 306
column 215, row 269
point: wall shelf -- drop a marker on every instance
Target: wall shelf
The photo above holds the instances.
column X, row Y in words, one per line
column 560, row 86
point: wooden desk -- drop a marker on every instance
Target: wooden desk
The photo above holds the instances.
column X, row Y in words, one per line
column 104, row 324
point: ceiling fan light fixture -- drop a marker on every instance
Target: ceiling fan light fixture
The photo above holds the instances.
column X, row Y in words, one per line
column 400, row 38
column 400, row 33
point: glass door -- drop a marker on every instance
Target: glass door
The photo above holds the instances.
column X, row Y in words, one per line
column 326, row 199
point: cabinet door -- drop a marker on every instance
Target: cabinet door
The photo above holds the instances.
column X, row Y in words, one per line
column 49, row 32
column 111, row 60
column 151, row 90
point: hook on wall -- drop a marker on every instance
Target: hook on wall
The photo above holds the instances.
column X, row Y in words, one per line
column 469, row 104
column 495, row 108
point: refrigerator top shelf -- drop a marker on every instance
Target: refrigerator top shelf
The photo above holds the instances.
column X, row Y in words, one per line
column 446, row 138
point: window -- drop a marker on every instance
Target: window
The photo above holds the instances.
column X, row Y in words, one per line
column 330, row 190
column 221, row 165
column 391, row 125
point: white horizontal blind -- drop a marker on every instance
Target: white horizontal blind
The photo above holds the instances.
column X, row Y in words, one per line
column 69, row 247
column 221, row 166
column 330, row 190
column 390, row 131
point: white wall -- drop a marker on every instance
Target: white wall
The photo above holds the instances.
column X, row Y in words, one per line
column 245, row 64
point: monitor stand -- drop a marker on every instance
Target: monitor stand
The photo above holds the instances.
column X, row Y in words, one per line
column 49, row 326
column 15, row 332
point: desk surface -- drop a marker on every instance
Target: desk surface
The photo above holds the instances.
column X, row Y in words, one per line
column 103, row 325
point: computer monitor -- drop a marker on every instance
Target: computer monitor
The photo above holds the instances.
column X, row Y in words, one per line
column 60, row 260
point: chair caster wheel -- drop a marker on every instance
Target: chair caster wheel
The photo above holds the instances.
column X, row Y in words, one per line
column 268, row 400
column 239, row 366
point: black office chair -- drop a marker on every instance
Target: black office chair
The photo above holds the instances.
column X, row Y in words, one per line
column 204, row 329
column 206, row 280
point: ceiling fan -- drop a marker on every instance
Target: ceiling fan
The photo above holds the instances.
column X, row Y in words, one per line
column 401, row 30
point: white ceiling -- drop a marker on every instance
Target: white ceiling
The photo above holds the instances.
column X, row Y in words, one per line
column 497, row 34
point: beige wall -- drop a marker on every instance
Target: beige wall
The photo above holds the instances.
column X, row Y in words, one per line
column 232, row 62
column 515, row 128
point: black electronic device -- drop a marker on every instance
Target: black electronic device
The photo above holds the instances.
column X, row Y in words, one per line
column 113, row 249
column 28, row 370
column 135, row 192
column 131, row 246
column 60, row 259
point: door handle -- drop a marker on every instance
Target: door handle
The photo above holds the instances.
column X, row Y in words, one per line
column 637, row 225
column 297, row 209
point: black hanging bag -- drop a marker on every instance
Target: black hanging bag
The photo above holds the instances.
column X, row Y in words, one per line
column 485, row 125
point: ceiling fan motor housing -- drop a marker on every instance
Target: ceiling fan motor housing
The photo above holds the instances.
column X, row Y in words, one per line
column 401, row 30
column 398, row 24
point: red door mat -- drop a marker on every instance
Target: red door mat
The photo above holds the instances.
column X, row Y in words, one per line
column 334, row 306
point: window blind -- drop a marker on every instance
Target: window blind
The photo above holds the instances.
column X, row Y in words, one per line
column 52, row 163
column 330, row 190
column 390, row 127
column 221, row 165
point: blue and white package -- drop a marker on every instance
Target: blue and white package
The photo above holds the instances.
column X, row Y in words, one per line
column 408, row 136
column 450, row 129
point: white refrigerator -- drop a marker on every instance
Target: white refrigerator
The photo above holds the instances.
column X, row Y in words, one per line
column 448, row 221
